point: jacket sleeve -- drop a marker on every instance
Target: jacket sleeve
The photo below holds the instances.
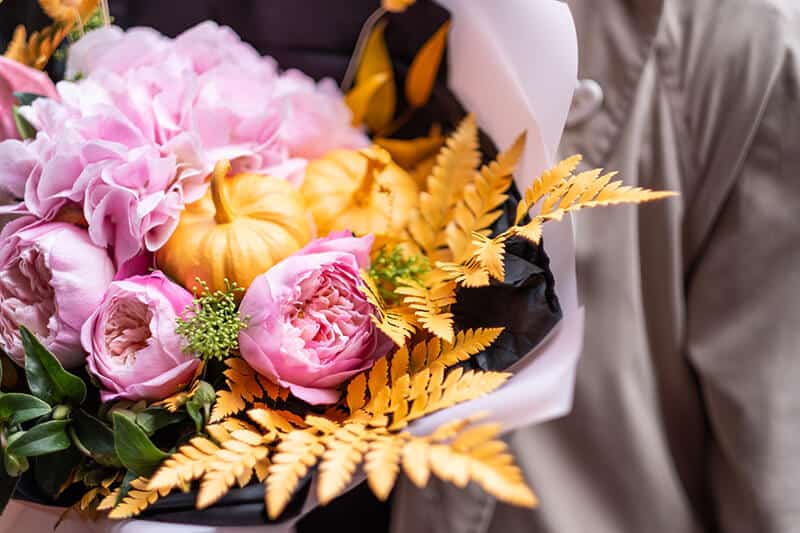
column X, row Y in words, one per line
column 743, row 306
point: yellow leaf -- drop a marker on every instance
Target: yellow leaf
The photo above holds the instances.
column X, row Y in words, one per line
column 396, row 6
column 359, row 97
column 408, row 153
column 422, row 73
column 375, row 60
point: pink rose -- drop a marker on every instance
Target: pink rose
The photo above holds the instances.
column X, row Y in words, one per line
column 133, row 349
column 51, row 278
column 309, row 325
column 16, row 77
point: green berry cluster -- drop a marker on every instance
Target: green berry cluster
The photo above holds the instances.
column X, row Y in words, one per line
column 389, row 268
column 212, row 323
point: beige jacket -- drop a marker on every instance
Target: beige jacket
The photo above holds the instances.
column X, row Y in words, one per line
column 687, row 407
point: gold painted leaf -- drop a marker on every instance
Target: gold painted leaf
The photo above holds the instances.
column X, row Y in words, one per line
column 408, row 153
column 375, row 60
column 396, row 6
column 424, row 68
column 359, row 97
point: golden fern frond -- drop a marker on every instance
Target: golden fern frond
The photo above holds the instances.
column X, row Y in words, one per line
column 467, row 343
column 17, row 49
column 382, row 462
column 275, row 423
column 190, row 462
column 416, row 461
column 583, row 190
column 234, row 463
column 454, row 169
column 344, row 452
column 138, row 498
column 470, row 274
column 110, row 500
column 389, row 321
column 476, row 455
column 431, row 390
column 477, row 208
column 295, row 454
column 245, row 386
column 431, row 302
column 36, row 51
column 546, row 183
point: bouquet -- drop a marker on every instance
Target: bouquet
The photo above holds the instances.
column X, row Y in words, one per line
column 220, row 274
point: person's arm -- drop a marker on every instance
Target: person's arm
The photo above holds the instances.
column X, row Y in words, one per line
column 743, row 305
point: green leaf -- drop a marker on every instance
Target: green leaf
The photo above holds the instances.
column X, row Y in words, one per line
column 51, row 471
column 26, row 98
column 41, row 439
column 96, row 438
column 154, row 418
column 134, row 448
column 17, row 408
column 25, row 128
column 47, row 379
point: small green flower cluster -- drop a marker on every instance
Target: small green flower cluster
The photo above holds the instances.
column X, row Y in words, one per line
column 388, row 269
column 211, row 325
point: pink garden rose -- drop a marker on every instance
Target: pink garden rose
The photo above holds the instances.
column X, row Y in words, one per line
column 309, row 325
column 133, row 349
column 16, row 77
column 51, row 278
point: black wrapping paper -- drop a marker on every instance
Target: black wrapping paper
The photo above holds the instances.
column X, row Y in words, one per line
column 317, row 37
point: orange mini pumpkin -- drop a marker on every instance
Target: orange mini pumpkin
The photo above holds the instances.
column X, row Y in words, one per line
column 363, row 191
column 242, row 226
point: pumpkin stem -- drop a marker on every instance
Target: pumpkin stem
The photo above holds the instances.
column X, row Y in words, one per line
column 377, row 160
column 223, row 214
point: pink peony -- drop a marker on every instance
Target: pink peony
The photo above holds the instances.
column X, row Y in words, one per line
column 133, row 349
column 309, row 324
column 16, row 77
column 51, row 278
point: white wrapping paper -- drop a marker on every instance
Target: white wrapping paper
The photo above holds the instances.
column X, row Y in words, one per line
column 514, row 64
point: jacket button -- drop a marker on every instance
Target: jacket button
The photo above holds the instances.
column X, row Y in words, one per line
column 586, row 102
